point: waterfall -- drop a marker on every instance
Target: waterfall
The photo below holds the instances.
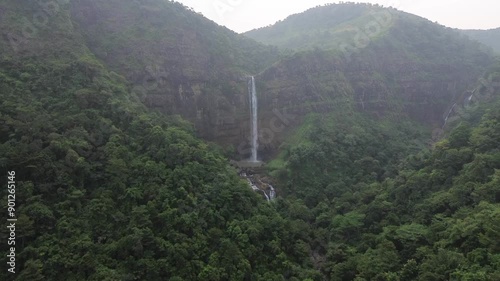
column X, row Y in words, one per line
column 257, row 185
column 253, row 111
column 267, row 197
column 449, row 113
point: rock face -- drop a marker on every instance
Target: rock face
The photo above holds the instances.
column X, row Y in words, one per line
column 401, row 74
column 179, row 62
column 183, row 64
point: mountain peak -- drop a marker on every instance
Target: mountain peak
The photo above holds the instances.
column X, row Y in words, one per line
column 325, row 26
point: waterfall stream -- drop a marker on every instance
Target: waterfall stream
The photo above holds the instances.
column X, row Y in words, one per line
column 255, row 181
column 259, row 184
column 253, row 112
column 449, row 113
column 272, row 193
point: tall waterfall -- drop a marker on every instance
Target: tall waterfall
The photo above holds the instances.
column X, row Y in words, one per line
column 253, row 111
column 449, row 113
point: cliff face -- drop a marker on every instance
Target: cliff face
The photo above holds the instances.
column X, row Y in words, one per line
column 179, row 62
column 415, row 69
column 383, row 62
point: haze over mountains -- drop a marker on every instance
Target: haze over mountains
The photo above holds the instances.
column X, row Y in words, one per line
column 203, row 62
column 379, row 130
column 489, row 37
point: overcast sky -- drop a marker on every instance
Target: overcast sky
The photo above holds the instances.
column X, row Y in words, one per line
column 244, row 15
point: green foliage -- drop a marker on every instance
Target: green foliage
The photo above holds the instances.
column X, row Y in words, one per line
column 340, row 151
column 107, row 190
column 382, row 210
column 181, row 44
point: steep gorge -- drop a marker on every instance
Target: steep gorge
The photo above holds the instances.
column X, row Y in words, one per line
column 184, row 64
column 179, row 62
column 413, row 70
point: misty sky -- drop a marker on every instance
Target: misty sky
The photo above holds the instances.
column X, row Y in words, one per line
column 244, row 15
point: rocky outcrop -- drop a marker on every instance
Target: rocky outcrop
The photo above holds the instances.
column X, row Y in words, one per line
column 179, row 62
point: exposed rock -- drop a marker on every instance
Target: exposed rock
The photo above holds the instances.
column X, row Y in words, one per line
column 185, row 64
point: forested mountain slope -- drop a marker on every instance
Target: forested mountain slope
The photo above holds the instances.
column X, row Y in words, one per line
column 179, row 61
column 108, row 189
column 105, row 189
column 434, row 215
column 392, row 66
column 489, row 37
column 326, row 26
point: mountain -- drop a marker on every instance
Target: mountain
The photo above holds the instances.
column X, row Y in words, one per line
column 489, row 37
column 383, row 152
column 179, row 62
column 384, row 208
column 103, row 188
column 389, row 203
column 326, row 26
column 393, row 65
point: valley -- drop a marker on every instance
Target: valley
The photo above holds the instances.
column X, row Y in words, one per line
column 347, row 142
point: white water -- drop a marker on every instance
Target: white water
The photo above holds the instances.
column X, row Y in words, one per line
column 272, row 193
column 449, row 113
column 253, row 111
column 267, row 197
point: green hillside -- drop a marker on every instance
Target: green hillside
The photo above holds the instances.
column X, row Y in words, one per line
column 382, row 213
column 133, row 35
column 327, row 26
column 105, row 112
column 489, row 37
column 107, row 190
column 178, row 61
column 181, row 63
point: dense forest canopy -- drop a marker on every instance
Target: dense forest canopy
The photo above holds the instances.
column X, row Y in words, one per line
column 490, row 37
column 108, row 188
